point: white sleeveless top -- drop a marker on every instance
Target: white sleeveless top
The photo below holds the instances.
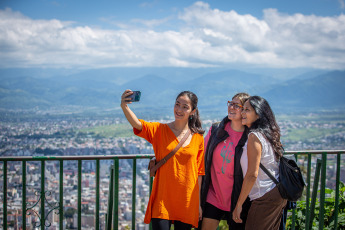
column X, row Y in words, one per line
column 263, row 183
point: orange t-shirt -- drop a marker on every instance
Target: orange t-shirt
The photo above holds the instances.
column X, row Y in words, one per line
column 175, row 189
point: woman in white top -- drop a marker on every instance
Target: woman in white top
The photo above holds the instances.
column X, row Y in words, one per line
column 263, row 146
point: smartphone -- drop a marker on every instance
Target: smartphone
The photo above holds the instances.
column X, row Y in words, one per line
column 135, row 97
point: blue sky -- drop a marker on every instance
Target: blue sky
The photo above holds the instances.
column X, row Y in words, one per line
column 98, row 34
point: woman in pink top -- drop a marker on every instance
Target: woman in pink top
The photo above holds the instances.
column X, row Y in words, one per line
column 223, row 174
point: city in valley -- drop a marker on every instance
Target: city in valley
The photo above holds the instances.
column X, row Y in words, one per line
column 47, row 135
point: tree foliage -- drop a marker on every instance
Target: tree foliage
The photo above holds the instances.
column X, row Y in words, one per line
column 329, row 211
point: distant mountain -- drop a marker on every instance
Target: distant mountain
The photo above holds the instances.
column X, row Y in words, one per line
column 103, row 88
column 214, row 88
column 27, row 92
column 118, row 75
column 322, row 92
column 310, row 75
column 219, row 87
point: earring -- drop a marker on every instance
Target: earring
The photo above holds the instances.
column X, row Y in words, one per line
column 191, row 117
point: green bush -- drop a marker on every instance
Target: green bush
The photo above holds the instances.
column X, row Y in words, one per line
column 329, row 213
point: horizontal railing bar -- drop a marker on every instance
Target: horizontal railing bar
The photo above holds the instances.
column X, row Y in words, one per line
column 134, row 156
column 315, row 152
column 91, row 157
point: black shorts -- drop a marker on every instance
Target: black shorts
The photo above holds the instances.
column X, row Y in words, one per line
column 215, row 213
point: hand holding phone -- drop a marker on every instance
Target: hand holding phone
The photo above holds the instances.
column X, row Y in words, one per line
column 135, row 97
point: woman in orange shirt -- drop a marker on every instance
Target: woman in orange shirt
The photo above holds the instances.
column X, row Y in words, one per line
column 175, row 191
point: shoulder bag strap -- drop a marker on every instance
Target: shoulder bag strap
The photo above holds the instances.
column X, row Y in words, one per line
column 167, row 157
column 268, row 173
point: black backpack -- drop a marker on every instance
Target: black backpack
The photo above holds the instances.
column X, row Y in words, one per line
column 291, row 182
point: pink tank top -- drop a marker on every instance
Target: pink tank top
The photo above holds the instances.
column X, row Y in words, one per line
column 222, row 170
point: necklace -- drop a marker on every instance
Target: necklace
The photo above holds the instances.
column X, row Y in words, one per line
column 177, row 131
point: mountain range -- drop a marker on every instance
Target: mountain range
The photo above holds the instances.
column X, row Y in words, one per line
column 102, row 88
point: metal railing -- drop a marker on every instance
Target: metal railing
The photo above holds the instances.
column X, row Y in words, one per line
column 112, row 220
column 319, row 179
column 42, row 216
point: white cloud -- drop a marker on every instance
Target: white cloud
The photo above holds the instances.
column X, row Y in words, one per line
column 150, row 23
column 276, row 40
column 207, row 37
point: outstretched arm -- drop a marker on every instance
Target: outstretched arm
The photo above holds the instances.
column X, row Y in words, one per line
column 131, row 117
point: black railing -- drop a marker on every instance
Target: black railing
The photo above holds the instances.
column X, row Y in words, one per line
column 307, row 160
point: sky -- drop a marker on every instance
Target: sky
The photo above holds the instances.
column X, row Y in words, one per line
column 83, row 34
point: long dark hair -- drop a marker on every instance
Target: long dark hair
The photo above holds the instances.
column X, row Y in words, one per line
column 194, row 122
column 266, row 123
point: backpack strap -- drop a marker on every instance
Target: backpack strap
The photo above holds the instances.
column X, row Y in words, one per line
column 268, row 173
column 167, row 157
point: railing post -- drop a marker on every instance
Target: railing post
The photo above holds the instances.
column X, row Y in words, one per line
column 24, row 195
column 116, row 195
column 151, row 182
column 97, row 194
column 61, row 196
column 307, row 200
column 42, row 194
column 5, row 196
column 337, row 193
column 293, row 211
column 79, row 193
column 110, row 199
column 314, row 193
column 134, row 185
column 322, row 191
column 293, row 224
